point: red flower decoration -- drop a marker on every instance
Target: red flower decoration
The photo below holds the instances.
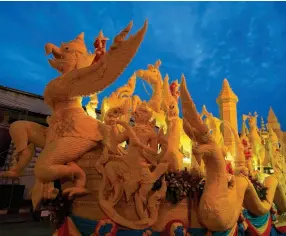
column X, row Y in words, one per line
column 244, row 142
column 229, row 168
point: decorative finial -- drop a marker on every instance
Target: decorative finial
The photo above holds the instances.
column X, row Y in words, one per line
column 99, row 46
column 225, row 83
column 226, row 93
column 174, row 88
column 263, row 128
column 101, row 36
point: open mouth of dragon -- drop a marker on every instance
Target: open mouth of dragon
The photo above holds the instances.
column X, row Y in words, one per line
column 55, row 52
column 57, row 55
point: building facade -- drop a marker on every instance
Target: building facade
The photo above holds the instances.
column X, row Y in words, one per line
column 18, row 105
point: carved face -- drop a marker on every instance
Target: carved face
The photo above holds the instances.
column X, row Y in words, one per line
column 142, row 114
column 252, row 120
column 69, row 56
column 112, row 115
column 172, row 110
column 152, row 75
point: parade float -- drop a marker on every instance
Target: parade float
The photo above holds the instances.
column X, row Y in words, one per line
column 139, row 168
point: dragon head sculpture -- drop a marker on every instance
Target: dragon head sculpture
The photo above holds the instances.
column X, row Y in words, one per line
column 152, row 75
column 69, row 56
column 142, row 114
column 252, row 119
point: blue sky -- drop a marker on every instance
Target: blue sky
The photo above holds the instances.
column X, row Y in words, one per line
column 244, row 42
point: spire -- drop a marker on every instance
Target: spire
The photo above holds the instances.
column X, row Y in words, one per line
column 226, row 93
column 271, row 116
column 272, row 120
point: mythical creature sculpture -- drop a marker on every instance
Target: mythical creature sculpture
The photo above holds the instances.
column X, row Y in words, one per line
column 258, row 149
column 70, row 134
column 27, row 135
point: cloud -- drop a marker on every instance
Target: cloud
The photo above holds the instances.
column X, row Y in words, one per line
column 20, row 60
column 207, row 41
column 30, row 70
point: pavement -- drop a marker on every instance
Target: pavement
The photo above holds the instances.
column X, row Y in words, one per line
column 23, row 222
column 26, row 228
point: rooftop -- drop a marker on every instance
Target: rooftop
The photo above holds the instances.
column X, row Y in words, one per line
column 26, row 101
column 21, row 92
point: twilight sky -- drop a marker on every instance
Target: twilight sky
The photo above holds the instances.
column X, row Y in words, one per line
column 244, row 42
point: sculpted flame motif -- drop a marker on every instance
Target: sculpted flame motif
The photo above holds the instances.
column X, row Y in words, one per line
column 121, row 97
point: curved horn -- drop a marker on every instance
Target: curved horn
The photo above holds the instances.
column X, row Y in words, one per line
column 205, row 112
column 158, row 63
column 244, row 117
column 80, row 36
